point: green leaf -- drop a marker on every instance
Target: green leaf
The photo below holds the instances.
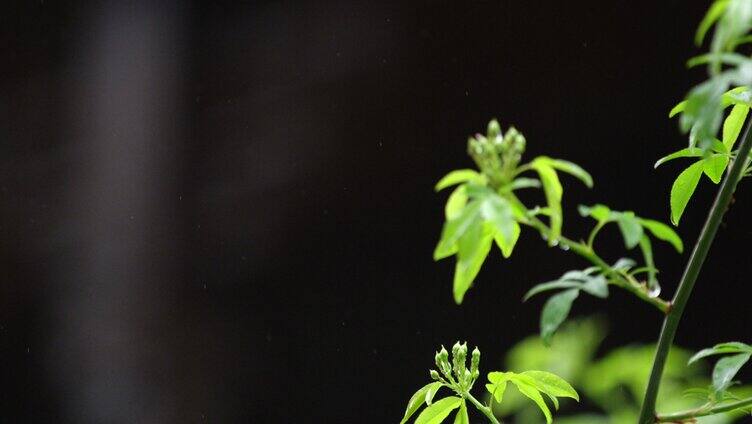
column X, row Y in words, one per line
column 472, row 249
column 721, row 349
column 714, row 165
column 555, row 312
column 523, row 182
column 732, row 126
column 507, row 246
column 498, row 212
column 552, row 285
column 533, row 393
column 683, row 188
column 714, row 13
column 574, row 170
column 553, row 190
column 433, row 388
column 725, row 370
column 437, row 412
column 416, row 401
column 678, row 108
column 456, row 177
column 498, row 384
column 461, row 417
column 552, row 384
column 688, row 152
column 454, row 229
column 455, row 203
column 630, row 228
column 596, row 286
column 663, row 232
column 598, row 212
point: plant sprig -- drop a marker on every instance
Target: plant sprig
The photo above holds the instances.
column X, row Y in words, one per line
column 453, row 374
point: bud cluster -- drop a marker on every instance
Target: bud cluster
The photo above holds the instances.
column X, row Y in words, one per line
column 497, row 154
column 456, row 372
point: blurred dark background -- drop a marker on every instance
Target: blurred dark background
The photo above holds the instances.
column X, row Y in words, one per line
column 223, row 211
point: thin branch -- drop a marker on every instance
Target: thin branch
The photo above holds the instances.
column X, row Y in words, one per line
column 703, row 411
column 484, row 409
column 700, row 252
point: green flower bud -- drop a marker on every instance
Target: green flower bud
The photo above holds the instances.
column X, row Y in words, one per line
column 434, row 375
column 459, row 355
column 475, row 362
column 494, row 130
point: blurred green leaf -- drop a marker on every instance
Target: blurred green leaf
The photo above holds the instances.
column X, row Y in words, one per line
column 714, row 13
column 473, row 247
column 553, row 191
column 523, row 182
column 507, row 246
column 574, row 170
column 630, row 228
column 456, row 177
column 555, row 312
column 455, row 203
column 454, row 229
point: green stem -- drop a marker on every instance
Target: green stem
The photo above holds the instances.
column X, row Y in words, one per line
column 614, row 277
column 703, row 411
column 484, row 409
column 700, row 252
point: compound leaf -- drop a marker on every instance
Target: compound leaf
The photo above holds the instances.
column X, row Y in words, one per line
column 416, row 401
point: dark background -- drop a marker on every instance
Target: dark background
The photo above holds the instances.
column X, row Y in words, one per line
column 223, row 211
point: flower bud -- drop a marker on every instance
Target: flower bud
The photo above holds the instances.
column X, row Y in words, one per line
column 494, row 130
column 474, row 362
column 434, row 375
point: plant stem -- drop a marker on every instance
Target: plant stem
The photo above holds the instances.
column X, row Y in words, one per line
column 700, row 252
column 703, row 411
column 615, row 278
column 484, row 409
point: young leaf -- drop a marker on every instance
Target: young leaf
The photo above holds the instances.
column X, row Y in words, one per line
column 683, row 188
column 456, row 177
column 714, row 13
column 552, row 285
column 555, row 312
column 574, row 170
column 552, row 384
column 688, row 152
column 498, row 384
column 454, row 229
column 714, row 165
column 596, row 286
column 720, row 349
column 523, row 182
column 437, row 412
column 725, row 370
column 433, row 388
column 663, row 232
column 416, row 401
column 678, row 108
column 630, row 228
column 732, row 126
column 455, row 203
column 553, row 190
column 498, row 212
column 533, row 393
column 461, row 417
column 507, row 246
column 598, row 212
column 472, row 249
